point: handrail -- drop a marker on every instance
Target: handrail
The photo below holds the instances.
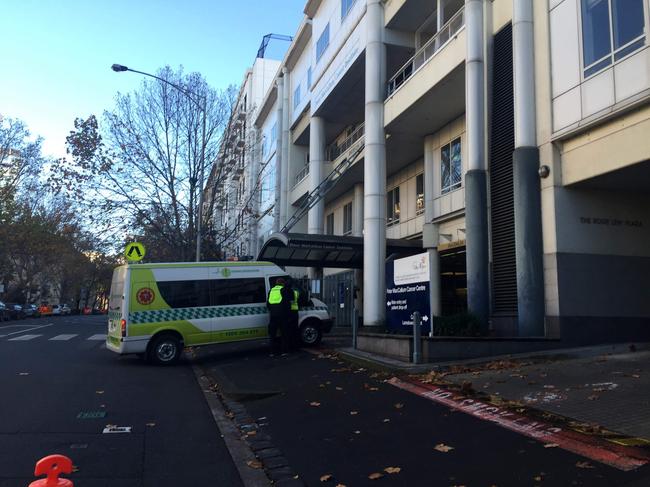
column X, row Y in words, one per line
column 426, row 52
column 335, row 151
column 304, row 172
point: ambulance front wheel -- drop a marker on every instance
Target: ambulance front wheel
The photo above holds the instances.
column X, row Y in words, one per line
column 165, row 349
column 311, row 333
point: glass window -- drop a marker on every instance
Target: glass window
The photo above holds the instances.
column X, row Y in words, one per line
column 329, row 224
column 185, row 294
column 419, row 193
column 228, row 292
column 392, row 204
column 347, row 219
column 309, row 77
column 611, row 29
column 450, row 166
column 274, row 131
column 346, row 6
column 296, row 97
column 323, row 42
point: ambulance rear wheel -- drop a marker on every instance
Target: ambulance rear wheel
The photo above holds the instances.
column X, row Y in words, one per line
column 165, row 349
column 310, row 333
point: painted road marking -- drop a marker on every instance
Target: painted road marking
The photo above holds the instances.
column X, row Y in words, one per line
column 101, row 336
column 24, row 338
column 623, row 458
column 64, row 337
column 29, row 329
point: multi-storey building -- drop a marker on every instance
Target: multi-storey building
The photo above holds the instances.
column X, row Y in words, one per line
column 231, row 197
column 508, row 137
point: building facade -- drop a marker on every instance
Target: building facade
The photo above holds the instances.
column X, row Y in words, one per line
column 505, row 135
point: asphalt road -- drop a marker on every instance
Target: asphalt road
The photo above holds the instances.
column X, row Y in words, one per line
column 338, row 422
column 53, row 370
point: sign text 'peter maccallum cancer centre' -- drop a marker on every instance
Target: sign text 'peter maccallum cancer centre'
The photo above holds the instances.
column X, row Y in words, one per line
column 407, row 291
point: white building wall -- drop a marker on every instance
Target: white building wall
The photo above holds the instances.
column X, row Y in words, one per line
column 411, row 221
column 300, row 79
column 577, row 99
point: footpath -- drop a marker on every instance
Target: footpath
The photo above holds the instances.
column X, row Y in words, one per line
column 332, row 418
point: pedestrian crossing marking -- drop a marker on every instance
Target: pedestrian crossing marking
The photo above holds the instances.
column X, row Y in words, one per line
column 101, row 336
column 63, row 337
column 24, row 338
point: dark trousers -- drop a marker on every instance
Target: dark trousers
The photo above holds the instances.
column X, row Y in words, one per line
column 294, row 331
column 279, row 324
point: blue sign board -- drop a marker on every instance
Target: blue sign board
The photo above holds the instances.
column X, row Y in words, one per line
column 407, row 291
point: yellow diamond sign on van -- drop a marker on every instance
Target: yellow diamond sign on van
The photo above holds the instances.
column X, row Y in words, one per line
column 134, row 252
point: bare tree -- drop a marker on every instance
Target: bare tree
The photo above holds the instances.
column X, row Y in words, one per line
column 139, row 173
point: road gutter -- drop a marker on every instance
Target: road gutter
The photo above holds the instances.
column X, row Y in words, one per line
column 238, row 449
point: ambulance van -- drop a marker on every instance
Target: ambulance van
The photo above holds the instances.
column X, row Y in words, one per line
column 157, row 309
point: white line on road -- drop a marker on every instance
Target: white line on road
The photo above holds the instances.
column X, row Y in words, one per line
column 24, row 338
column 64, row 337
column 101, row 336
column 30, row 329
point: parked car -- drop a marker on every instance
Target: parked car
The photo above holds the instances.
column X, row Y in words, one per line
column 56, row 310
column 31, row 311
column 45, row 310
column 4, row 314
column 86, row 310
column 65, row 310
column 15, row 311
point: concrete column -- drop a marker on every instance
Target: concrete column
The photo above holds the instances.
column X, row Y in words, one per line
column 527, row 197
column 357, row 211
column 277, row 213
column 374, row 209
column 476, row 207
column 431, row 233
column 440, row 12
column 317, row 159
column 285, row 206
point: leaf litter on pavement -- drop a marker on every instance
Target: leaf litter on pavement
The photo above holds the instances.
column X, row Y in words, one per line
column 441, row 447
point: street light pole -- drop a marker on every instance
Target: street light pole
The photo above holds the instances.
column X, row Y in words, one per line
column 118, row 68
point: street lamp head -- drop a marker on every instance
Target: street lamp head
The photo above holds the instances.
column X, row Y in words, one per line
column 119, row 68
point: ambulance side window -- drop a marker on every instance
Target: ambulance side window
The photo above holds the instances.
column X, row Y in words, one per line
column 185, row 294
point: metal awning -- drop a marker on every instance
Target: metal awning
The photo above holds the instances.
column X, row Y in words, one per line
column 330, row 251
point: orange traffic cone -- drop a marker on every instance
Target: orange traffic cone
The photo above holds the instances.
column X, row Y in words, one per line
column 53, row 466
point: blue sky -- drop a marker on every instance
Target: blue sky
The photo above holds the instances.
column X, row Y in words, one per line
column 56, row 54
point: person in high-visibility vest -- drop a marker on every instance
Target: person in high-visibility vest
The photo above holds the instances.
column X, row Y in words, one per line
column 293, row 318
column 279, row 305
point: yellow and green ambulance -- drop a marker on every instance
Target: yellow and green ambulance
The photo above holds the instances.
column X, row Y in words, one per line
column 157, row 309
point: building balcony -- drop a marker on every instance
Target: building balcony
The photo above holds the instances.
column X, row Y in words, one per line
column 337, row 152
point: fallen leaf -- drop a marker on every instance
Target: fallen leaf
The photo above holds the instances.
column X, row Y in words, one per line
column 593, row 397
column 636, row 376
column 386, row 420
column 341, row 485
column 326, row 477
column 339, row 388
column 75, row 469
column 584, row 465
column 441, row 447
column 357, row 432
column 254, row 464
column 99, row 392
column 375, row 476
column 251, row 433
column 399, row 405
column 354, row 413
column 322, row 386
column 537, row 478
column 23, row 373
column 551, row 445
column 392, row 470
column 314, row 404
column 151, row 425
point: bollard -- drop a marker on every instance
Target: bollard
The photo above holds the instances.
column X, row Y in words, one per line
column 53, row 466
column 417, row 337
column 355, row 328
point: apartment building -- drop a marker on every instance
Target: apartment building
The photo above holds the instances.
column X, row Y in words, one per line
column 231, row 195
column 507, row 138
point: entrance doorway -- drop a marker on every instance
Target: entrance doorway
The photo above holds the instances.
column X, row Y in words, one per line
column 453, row 281
column 339, row 296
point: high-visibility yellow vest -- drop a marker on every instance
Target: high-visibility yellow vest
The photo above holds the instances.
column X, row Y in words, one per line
column 275, row 296
column 294, row 303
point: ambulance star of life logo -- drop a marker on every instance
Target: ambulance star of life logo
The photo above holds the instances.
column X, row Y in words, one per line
column 145, row 296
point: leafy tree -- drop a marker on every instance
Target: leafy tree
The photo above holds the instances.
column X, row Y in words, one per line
column 139, row 172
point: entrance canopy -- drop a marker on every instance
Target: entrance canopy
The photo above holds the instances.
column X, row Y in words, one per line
column 336, row 251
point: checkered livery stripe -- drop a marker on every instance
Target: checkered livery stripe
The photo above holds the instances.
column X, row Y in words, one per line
column 186, row 314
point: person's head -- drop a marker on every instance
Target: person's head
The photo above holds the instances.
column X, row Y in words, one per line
column 280, row 281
